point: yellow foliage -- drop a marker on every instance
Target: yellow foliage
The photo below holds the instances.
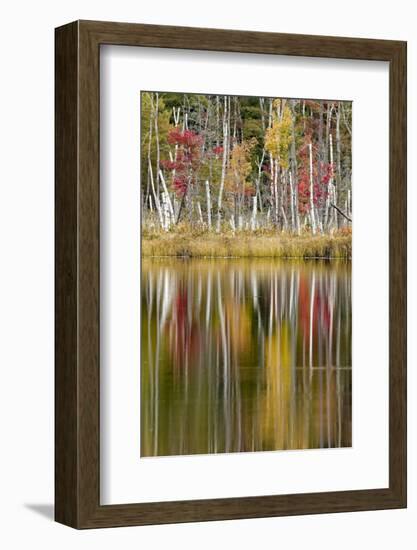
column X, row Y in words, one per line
column 240, row 167
column 278, row 136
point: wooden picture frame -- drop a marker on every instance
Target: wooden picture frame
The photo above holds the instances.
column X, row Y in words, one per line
column 77, row 374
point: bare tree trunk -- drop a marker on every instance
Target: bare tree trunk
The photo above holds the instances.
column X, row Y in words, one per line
column 349, row 202
column 284, row 219
column 294, row 214
column 338, row 187
column 330, row 193
column 176, row 113
column 322, row 208
column 229, row 109
column 283, row 196
column 157, row 142
column 148, row 189
column 341, row 212
column 176, row 122
column 258, row 180
column 254, row 212
column 262, row 107
column 208, row 204
column 150, row 171
column 217, row 119
column 165, row 210
column 328, row 128
column 183, row 198
column 168, row 198
column 347, row 126
column 200, row 213
column 276, row 205
column 312, row 213
column 293, row 173
column 224, row 160
column 234, row 117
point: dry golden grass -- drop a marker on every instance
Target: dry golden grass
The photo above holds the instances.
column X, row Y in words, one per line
column 245, row 244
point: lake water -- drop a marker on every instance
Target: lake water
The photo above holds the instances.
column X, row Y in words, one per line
column 245, row 355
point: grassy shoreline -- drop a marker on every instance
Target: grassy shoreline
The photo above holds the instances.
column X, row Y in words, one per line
column 246, row 245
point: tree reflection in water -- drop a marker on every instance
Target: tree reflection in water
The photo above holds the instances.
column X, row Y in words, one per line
column 245, row 355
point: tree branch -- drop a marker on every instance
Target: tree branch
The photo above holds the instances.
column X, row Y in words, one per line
column 341, row 212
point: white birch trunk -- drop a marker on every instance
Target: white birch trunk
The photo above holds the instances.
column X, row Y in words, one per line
column 338, row 185
column 150, row 171
column 168, row 198
column 176, row 113
column 157, row 142
column 295, row 202
column 155, row 196
column 349, row 209
column 254, row 212
column 200, row 213
column 166, row 213
column 312, row 213
column 284, row 219
column 276, row 191
column 208, row 204
column 332, row 197
column 329, row 198
column 223, row 176
column 292, row 201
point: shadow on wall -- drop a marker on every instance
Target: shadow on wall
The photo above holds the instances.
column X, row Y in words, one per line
column 45, row 510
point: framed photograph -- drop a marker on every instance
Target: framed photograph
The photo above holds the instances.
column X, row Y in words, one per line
column 230, row 274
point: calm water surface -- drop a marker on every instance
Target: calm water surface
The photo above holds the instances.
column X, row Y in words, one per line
column 244, row 355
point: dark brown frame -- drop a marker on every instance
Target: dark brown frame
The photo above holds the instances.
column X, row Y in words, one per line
column 77, row 374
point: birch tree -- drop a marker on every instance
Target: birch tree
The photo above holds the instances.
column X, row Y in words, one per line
column 224, row 162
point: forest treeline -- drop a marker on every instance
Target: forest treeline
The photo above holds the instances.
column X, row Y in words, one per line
column 231, row 163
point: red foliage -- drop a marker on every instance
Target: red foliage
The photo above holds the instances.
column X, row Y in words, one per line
column 327, row 172
column 218, row 150
column 188, row 138
column 303, row 191
column 187, row 160
column 180, row 185
column 321, row 180
column 313, row 105
column 168, row 164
